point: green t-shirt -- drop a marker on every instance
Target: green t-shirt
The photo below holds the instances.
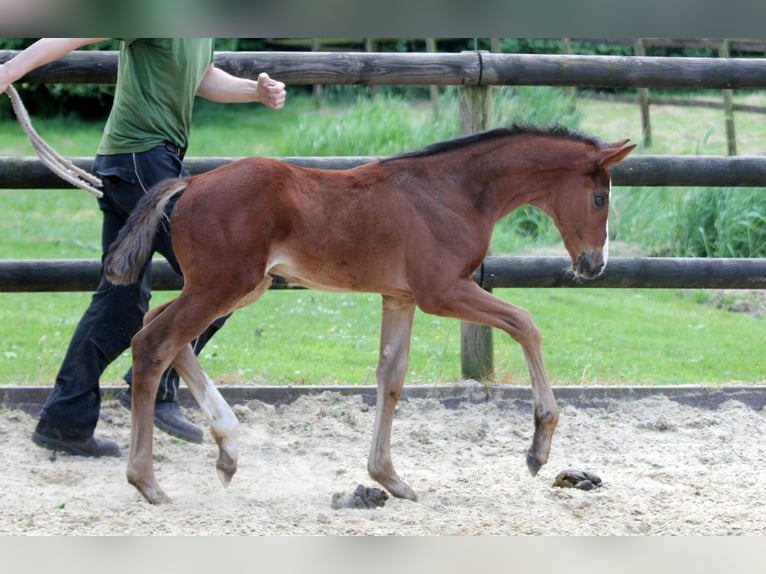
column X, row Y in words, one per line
column 157, row 80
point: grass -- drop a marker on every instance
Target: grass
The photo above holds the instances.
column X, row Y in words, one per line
column 692, row 222
column 591, row 336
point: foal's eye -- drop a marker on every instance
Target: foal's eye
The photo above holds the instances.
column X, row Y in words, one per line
column 599, row 200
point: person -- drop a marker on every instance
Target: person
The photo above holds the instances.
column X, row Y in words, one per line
column 143, row 142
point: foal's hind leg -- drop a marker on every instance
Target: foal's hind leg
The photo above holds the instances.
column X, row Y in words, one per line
column 469, row 302
column 223, row 422
column 392, row 367
column 147, row 369
column 168, row 331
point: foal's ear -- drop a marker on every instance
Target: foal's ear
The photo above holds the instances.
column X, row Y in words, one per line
column 616, row 144
column 615, row 153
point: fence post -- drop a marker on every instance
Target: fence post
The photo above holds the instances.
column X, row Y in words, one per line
column 370, row 46
column 318, row 89
column 728, row 106
column 476, row 348
column 434, row 90
column 643, row 98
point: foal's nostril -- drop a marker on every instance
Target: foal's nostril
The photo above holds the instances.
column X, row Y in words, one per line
column 590, row 265
column 598, row 270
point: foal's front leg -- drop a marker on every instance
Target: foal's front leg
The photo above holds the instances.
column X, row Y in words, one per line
column 392, row 367
column 469, row 302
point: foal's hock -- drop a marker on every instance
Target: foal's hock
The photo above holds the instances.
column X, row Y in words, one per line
column 412, row 227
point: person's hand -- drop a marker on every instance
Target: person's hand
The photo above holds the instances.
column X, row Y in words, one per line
column 271, row 93
column 4, row 83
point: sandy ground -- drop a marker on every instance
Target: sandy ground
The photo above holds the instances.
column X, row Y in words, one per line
column 666, row 468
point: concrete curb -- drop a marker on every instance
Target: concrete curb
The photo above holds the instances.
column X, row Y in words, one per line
column 30, row 399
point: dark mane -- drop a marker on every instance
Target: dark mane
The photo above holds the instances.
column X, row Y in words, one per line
column 493, row 134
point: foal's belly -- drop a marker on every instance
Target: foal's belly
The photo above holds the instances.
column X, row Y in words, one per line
column 324, row 275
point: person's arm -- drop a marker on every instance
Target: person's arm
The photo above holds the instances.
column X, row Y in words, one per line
column 220, row 86
column 42, row 52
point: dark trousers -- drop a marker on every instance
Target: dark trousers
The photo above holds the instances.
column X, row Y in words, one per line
column 115, row 313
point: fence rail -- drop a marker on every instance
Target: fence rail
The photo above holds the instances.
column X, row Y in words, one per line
column 46, row 275
column 638, row 171
column 443, row 69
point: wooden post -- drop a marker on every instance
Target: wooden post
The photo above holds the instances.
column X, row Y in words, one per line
column 316, row 45
column 476, row 348
column 569, row 91
column 643, row 98
column 728, row 106
column 431, row 47
column 475, row 109
column 370, row 46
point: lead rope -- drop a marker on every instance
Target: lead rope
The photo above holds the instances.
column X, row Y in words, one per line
column 58, row 164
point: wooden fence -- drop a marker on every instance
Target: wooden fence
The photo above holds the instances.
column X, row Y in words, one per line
column 443, row 69
column 474, row 72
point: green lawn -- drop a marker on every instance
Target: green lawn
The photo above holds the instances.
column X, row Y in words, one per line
column 591, row 336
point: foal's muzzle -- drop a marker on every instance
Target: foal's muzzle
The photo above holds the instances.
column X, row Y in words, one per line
column 589, row 265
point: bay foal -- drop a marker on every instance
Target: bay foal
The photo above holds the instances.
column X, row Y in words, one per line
column 413, row 228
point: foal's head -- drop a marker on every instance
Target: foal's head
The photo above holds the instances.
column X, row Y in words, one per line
column 580, row 207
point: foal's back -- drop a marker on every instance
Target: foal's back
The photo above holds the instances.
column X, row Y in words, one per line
column 332, row 229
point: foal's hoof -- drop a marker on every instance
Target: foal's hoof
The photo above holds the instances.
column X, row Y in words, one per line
column 407, row 494
column 533, row 464
column 401, row 490
column 152, row 494
column 226, row 467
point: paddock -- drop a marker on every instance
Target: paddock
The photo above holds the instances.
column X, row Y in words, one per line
column 677, row 461
column 674, row 462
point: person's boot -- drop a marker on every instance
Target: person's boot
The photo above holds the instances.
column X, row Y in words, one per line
column 169, row 418
column 51, row 438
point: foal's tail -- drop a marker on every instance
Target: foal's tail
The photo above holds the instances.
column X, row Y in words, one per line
column 133, row 247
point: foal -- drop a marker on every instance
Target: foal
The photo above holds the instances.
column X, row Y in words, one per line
column 413, row 228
